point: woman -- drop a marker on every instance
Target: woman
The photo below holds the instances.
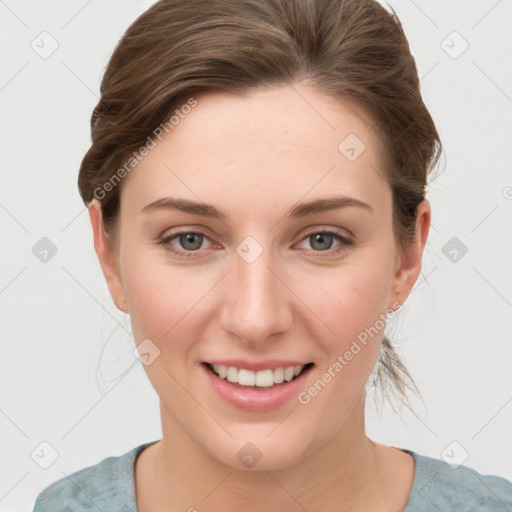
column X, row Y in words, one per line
column 256, row 189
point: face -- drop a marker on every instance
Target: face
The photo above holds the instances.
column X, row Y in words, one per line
column 263, row 283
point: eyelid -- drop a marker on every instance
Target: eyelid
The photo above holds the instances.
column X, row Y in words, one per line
column 344, row 233
column 171, row 233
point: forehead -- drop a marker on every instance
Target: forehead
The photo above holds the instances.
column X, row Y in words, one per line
column 269, row 146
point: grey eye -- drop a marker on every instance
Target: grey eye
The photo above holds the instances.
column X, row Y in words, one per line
column 191, row 241
column 321, row 241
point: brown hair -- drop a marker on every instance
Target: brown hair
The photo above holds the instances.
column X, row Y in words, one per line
column 354, row 50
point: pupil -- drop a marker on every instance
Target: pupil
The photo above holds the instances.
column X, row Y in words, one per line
column 320, row 237
column 189, row 238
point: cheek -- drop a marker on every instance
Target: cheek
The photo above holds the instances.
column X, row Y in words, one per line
column 165, row 308
column 354, row 308
column 165, row 299
column 350, row 299
column 352, row 304
column 159, row 301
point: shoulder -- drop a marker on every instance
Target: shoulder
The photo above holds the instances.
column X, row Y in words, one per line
column 440, row 486
column 108, row 485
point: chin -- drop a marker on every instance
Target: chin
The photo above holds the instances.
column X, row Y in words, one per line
column 261, row 451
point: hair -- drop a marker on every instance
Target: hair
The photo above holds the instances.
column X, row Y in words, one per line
column 354, row 50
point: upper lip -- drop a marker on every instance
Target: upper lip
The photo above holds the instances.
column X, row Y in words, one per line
column 271, row 364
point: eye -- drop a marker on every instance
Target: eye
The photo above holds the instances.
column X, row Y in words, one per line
column 190, row 241
column 322, row 241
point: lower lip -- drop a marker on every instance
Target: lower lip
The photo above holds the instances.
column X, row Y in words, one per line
column 256, row 400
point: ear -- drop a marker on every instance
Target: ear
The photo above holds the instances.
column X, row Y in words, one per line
column 408, row 260
column 107, row 256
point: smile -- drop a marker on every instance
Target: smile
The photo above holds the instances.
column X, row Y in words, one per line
column 266, row 389
column 263, row 378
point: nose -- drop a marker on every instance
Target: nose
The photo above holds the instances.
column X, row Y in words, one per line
column 259, row 303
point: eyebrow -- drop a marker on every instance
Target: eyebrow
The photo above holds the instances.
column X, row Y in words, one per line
column 297, row 211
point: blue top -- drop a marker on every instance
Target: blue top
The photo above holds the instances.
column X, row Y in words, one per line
column 110, row 486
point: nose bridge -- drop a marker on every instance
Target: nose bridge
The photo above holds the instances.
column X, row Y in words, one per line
column 258, row 304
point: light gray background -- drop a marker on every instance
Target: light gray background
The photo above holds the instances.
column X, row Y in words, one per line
column 56, row 316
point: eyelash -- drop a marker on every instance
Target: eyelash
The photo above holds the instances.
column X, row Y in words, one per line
column 165, row 242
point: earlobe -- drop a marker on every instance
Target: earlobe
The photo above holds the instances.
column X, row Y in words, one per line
column 410, row 258
column 107, row 256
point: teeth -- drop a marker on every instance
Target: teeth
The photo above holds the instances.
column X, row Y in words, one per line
column 263, row 378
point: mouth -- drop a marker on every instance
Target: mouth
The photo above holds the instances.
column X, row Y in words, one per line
column 266, row 379
column 268, row 386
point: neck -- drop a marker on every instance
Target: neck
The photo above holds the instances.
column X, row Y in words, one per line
column 343, row 474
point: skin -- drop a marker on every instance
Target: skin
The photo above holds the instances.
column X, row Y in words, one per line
column 255, row 157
